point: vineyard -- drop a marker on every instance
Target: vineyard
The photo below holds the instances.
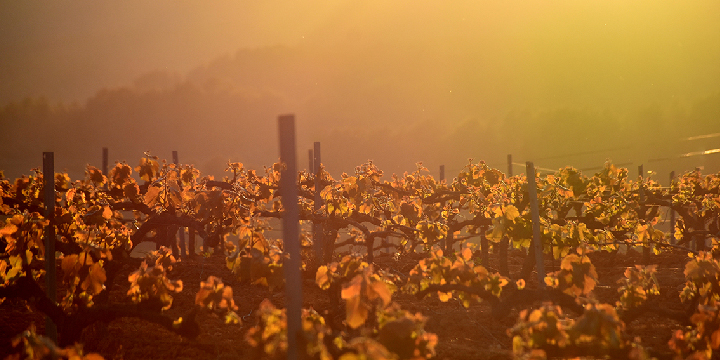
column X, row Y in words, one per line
column 482, row 266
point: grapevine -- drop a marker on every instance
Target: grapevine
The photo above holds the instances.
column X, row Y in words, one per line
column 99, row 221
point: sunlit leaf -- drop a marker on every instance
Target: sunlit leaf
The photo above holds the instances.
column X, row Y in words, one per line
column 511, row 212
column 152, row 196
column 356, row 312
column 94, row 282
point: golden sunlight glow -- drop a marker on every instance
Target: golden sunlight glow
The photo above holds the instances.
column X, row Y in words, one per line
column 394, row 81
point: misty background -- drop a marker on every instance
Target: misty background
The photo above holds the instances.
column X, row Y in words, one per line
column 399, row 82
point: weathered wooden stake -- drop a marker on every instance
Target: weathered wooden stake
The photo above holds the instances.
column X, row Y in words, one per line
column 646, row 249
column 50, row 265
column 672, row 215
column 447, row 240
column 534, row 207
column 191, row 243
column 505, row 242
column 291, row 227
column 311, row 165
column 181, row 230
column 699, row 239
column 509, row 164
column 105, row 163
column 484, row 247
column 318, row 235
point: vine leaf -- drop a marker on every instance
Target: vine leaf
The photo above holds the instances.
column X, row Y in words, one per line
column 152, row 196
column 95, row 280
column 357, row 313
column 361, row 293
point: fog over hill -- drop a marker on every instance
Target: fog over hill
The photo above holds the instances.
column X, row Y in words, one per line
column 211, row 119
column 565, row 83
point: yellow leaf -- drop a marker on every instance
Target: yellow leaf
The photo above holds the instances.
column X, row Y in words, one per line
column 152, row 196
column 365, row 208
column 480, row 271
column 107, row 213
column 356, row 312
column 353, row 289
column 96, row 175
column 321, row 277
column 497, row 232
column 244, row 232
column 95, row 280
column 68, row 263
column 511, row 212
column 467, row 254
column 535, row 316
column 380, row 289
column 567, row 262
column 715, row 339
column 232, row 318
column 70, row 195
column 8, row 229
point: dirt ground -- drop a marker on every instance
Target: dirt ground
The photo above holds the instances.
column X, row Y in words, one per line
column 470, row 333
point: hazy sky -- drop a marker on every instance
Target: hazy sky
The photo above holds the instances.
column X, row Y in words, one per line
column 530, row 52
column 69, row 49
column 375, row 66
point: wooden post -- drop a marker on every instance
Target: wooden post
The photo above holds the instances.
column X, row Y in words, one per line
column 699, row 240
column 318, row 235
column 534, row 207
column 505, row 242
column 509, row 164
column 672, row 214
column 311, row 167
column 484, row 247
column 291, row 239
column 446, row 241
column 181, row 230
column 50, row 264
column 105, row 162
column 191, row 243
column 646, row 249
